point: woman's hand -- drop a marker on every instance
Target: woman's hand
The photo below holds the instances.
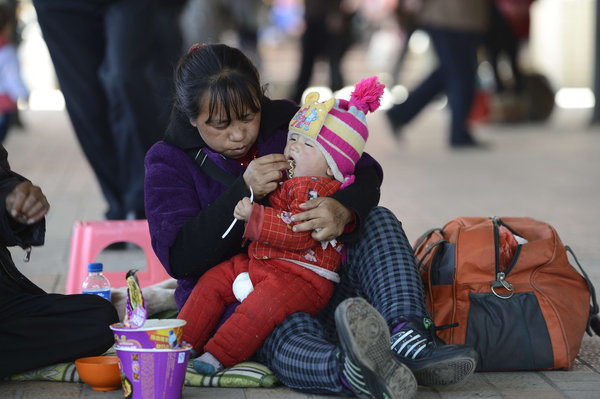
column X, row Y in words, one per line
column 26, row 203
column 325, row 216
column 243, row 209
column 264, row 174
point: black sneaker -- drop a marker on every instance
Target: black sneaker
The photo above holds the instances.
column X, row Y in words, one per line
column 432, row 361
column 370, row 368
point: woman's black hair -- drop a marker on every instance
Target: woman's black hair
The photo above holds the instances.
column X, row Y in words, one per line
column 226, row 74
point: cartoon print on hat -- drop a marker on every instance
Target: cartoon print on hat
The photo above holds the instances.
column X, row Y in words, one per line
column 339, row 127
column 309, row 119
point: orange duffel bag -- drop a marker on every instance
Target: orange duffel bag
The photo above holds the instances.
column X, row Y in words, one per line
column 505, row 286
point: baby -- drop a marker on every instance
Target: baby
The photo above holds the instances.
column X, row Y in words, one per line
column 289, row 271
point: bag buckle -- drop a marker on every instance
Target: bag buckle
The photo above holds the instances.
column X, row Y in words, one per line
column 500, row 282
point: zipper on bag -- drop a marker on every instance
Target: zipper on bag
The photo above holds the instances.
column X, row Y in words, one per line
column 501, row 283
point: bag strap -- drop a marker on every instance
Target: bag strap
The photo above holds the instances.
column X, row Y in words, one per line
column 209, row 167
column 419, row 264
column 420, row 241
column 593, row 320
column 425, row 235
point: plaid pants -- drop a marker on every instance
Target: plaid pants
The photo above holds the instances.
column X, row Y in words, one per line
column 303, row 350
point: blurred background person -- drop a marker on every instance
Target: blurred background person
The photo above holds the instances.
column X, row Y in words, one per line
column 203, row 21
column 12, row 87
column 101, row 51
column 327, row 32
column 247, row 17
column 509, row 26
column 235, row 22
column 455, row 27
column 167, row 48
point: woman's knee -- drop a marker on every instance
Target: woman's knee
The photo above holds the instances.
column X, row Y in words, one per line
column 381, row 234
column 380, row 214
column 380, row 227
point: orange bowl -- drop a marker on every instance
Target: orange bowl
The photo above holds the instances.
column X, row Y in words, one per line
column 100, row 372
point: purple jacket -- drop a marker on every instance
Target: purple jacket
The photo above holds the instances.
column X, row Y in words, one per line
column 188, row 211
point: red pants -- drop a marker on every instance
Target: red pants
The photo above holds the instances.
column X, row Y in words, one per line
column 280, row 289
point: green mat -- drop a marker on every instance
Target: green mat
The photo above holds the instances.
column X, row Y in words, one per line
column 243, row 375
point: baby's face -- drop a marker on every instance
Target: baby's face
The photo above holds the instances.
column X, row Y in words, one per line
column 308, row 159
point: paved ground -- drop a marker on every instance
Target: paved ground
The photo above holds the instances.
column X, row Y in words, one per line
column 549, row 171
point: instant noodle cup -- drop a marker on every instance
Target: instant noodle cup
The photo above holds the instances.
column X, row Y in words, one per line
column 154, row 334
column 153, row 373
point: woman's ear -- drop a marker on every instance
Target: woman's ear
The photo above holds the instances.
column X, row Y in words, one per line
column 193, row 122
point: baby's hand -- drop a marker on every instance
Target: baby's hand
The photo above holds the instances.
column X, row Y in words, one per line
column 243, row 209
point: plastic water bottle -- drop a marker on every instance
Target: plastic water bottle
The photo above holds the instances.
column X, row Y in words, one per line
column 95, row 283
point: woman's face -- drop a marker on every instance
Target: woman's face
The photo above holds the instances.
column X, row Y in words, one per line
column 232, row 140
column 308, row 158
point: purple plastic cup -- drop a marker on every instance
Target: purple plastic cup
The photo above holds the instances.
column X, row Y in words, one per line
column 153, row 373
column 154, row 334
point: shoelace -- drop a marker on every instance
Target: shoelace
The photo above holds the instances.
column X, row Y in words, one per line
column 354, row 377
column 409, row 343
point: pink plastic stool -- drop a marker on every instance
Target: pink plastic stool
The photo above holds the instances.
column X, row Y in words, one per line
column 91, row 237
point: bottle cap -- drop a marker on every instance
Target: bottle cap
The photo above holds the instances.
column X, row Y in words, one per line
column 94, row 267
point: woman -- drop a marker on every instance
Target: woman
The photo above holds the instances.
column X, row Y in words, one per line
column 225, row 135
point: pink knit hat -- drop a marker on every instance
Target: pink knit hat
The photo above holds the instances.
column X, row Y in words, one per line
column 339, row 127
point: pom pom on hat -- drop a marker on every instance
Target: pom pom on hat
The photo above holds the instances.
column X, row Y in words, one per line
column 367, row 94
column 339, row 127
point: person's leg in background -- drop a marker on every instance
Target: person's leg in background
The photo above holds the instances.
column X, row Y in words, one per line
column 133, row 111
column 168, row 47
column 423, row 94
column 74, row 33
column 311, row 43
column 339, row 39
column 336, row 54
column 457, row 53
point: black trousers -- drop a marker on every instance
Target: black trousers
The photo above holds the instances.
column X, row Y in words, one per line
column 39, row 329
column 101, row 51
column 317, row 41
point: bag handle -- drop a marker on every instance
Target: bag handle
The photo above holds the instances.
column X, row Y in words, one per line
column 419, row 264
column 420, row 241
column 593, row 320
column 427, row 234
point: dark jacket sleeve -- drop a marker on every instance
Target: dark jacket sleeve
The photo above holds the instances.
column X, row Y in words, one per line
column 200, row 245
column 11, row 232
column 362, row 195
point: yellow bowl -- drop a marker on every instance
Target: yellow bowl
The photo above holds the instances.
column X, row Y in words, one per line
column 100, row 372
